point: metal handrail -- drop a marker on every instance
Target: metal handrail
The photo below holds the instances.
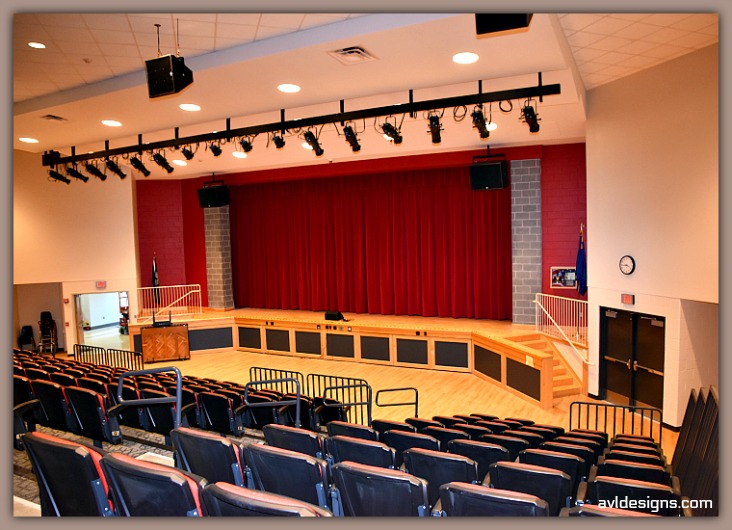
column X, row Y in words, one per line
column 342, row 405
column 564, row 335
column 177, row 399
column 579, row 406
column 415, row 402
column 295, row 401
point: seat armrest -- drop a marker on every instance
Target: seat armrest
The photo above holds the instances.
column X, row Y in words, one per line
column 437, row 510
column 581, row 494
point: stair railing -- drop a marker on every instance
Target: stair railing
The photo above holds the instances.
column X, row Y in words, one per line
column 573, row 311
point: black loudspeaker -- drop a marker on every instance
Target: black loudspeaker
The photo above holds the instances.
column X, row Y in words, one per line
column 487, row 23
column 167, row 74
column 213, row 196
column 489, row 175
column 334, row 315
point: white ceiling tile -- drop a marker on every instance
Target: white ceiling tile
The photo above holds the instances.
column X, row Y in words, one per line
column 79, row 48
column 637, row 30
column 639, row 61
column 665, row 51
column 609, row 43
column 635, row 17
column 694, row 40
column 236, row 32
column 58, row 20
column 107, row 37
column 696, row 22
column 637, row 47
column 587, row 54
column 265, row 32
column 245, row 19
column 608, row 25
column 119, row 50
column 591, row 67
column 665, row 36
column 106, row 21
column 612, row 58
column 282, row 20
column 578, row 21
column 712, row 29
column 580, row 39
column 194, row 17
column 666, row 19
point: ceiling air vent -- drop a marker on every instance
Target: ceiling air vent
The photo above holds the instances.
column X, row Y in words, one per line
column 352, row 55
column 52, row 117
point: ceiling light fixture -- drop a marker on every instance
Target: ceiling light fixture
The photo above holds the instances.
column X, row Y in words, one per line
column 75, row 173
column 391, row 133
column 238, row 154
column 479, row 122
column 114, row 168
column 278, row 140
column 37, row 45
column 435, row 128
column 288, row 88
column 529, row 115
column 187, row 153
column 112, row 123
column 55, row 175
column 94, row 171
column 465, row 58
column 189, row 107
column 160, row 160
column 351, row 138
column 246, row 145
column 139, row 166
column 28, row 140
column 180, row 163
column 312, row 143
column 214, row 148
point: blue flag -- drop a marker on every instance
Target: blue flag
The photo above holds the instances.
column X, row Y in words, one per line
column 155, row 280
column 581, row 265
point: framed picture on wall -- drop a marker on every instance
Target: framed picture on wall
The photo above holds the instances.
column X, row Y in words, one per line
column 563, row 277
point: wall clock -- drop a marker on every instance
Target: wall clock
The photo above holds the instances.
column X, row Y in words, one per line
column 627, row 264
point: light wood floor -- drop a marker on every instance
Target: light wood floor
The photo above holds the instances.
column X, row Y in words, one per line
column 440, row 392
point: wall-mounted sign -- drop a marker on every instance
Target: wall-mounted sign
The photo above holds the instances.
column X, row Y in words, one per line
column 563, row 277
column 101, row 284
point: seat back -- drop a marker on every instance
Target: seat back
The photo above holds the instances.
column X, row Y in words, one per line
column 656, row 498
column 445, row 435
column 473, row 431
column 92, row 418
column 535, row 440
column 381, row 426
column 160, row 417
column 483, row 453
column 448, row 421
column 63, row 379
column 288, row 473
column 400, row 441
column 294, row 439
column 588, row 510
column 361, row 490
column 422, row 423
column 141, row 488
column 212, row 456
column 439, row 468
column 354, row 430
column 370, row 452
column 69, row 476
column 632, row 456
column 264, row 413
column 470, row 500
column 217, row 414
column 22, row 390
column 224, row 499
column 594, row 445
column 495, row 426
column 571, row 449
column 549, row 484
column 513, row 444
column 572, row 465
column 54, row 410
column 634, row 470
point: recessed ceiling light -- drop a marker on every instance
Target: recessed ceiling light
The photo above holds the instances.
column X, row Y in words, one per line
column 37, row 45
column 492, row 126
column 179, row 162
column 239, row 154
column 306, row 145
column 28, row 140
column 288, row 88
column 190, row 107
column 465, row 58
column 112, row 123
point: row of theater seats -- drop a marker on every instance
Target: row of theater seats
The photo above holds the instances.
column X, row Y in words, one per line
column 82, row 398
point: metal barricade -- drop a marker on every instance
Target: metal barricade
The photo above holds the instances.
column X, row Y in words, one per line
column 617, row 419
column 285, row 380
column 111, row 357
column 352, row 394
column 177, row 399
column 399, row 404
column 289, row 381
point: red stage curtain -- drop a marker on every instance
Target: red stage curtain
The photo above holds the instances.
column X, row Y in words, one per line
column 407, row 243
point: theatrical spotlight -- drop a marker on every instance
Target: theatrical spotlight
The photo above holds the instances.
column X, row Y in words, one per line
column 162, row 162
column 94, row 170
column 435, row 128
column 391, row 133
column 114, row 168
column 73, row 172
column 351, row 138
column 215, row 149
column 187, row 153
column 479, row 122
column 55, row 175
column 246, row 145
column 312, row 141
column 278, row 140
column 139, row 166
column 528, row 114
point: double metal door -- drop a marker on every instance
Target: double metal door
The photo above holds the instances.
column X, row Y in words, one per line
column 632, row 353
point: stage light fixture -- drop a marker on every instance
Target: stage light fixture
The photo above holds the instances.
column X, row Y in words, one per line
column 55, row 175
column 94, row 171
column 351, row 138
column 435, row 128
column 187, row 153
column 114, row 168
column 246, row 145
column 278, row 140
column 139, row 166
column 312, row 141
column 160, row 160
column 215, row 149
column 391, row 133
column 73, row 172
column 529, row 115
column 479, row 122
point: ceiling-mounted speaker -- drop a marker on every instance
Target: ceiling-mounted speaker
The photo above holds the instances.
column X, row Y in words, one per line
column 491, row 23
column 166, row 75
column 213, row 196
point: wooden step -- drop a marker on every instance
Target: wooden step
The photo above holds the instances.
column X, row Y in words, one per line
column 567, row 390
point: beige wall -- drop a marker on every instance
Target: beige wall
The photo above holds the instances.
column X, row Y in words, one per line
column 71, row 235
column 652, row 192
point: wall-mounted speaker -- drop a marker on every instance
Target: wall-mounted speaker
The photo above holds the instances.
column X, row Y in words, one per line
column 167, row 74
column 488, row 23
column 213, row 196
column 334, row 315
column 489, row 175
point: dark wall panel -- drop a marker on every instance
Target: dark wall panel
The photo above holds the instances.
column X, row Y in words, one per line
column 487, row 362
column 307, row 342
column 451, row 354
column 340, row 345
column 412, row 351
column 278, row 339
column 523, row 378
column 375, row 348
column 250, row 338
column 210, row 339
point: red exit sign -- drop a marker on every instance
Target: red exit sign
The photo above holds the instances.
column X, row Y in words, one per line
column 101, row 284
column 627, row 299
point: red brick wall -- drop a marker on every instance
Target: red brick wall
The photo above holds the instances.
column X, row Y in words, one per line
column 563, row 209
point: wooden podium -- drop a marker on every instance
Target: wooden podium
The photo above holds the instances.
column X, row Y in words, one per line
column 165, row 343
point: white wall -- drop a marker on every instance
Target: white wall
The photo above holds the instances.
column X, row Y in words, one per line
column 73, row 235
column 101, row 309
column 33, row 298
column 652, row 192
